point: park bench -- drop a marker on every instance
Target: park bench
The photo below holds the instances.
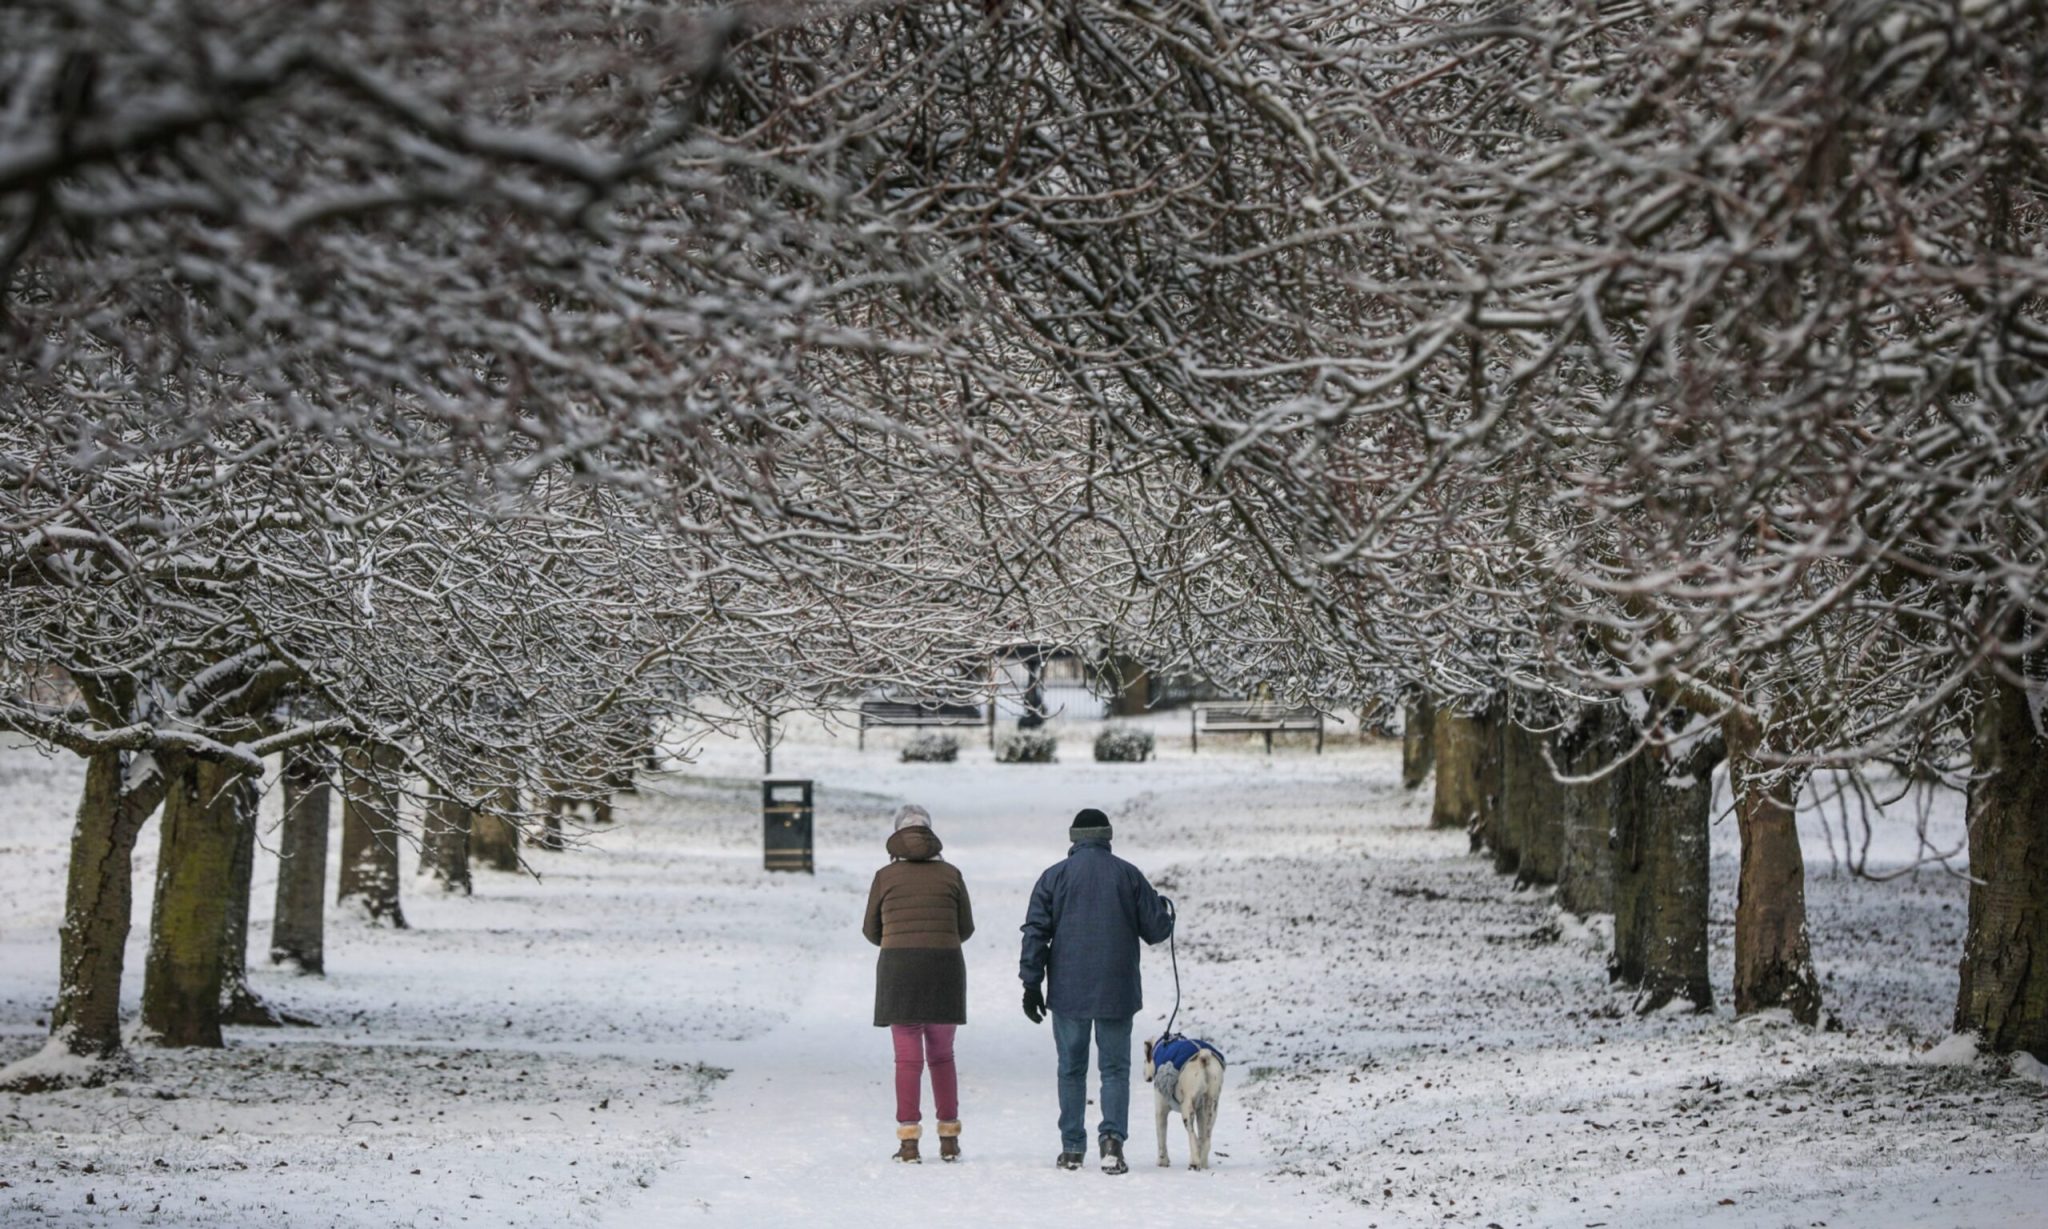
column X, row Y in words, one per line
column 1251, row 716
column 915, row 713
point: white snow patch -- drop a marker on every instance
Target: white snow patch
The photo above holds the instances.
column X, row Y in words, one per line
column 53, row 1064
column 1955, row 1050
column 1593, row 933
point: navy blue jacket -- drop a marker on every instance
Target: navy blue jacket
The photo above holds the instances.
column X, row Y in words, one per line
column 1086, row 917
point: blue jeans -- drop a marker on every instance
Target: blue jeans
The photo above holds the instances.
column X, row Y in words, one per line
column 1112, row 1059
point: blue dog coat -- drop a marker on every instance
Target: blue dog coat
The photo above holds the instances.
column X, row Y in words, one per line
column 1176, row 1051
column 1168, row 1056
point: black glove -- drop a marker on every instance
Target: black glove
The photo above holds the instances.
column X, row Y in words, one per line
column 1034, row 1004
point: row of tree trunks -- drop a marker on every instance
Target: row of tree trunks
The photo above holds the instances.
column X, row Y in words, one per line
column 1634, row 841
column 1418, row 742
column 369, row 835
column 1629, row 838
column 298, row 928
column 2003, row 994
column 195, row 974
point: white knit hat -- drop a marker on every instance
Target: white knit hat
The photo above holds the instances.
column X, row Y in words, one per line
column 912, row 817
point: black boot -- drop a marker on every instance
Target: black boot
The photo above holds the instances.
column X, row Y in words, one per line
column 1069, row 1160
column 1112, row 1150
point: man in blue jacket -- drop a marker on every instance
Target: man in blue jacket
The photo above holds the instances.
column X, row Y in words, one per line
column 1087, row 914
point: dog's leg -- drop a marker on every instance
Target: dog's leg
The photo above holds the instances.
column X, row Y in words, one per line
column 1192, row 1082
column 1208, row 1116
column 1210, row 1105
column 1160, row 1107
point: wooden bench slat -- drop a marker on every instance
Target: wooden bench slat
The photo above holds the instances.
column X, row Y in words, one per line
column 1254, row 718
column 897, row 713
column 913, row 714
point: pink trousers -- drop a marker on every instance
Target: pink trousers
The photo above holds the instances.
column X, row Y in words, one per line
column 919, row 1046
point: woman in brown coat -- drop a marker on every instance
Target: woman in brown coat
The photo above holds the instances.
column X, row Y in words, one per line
column 918, row 915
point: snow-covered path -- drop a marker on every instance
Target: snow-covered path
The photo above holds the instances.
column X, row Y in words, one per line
column 801, row 1133
column 1414, row 1042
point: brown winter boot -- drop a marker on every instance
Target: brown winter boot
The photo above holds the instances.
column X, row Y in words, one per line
column 949, row 1141
column 906, row 1151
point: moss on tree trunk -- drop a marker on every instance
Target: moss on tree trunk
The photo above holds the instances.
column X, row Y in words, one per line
column 99, row 904
column 238, row 1003
column 205, row 813
column 2003, row 995
column 1465, row 763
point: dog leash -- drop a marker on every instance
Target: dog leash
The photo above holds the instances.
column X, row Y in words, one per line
column 1174, row 959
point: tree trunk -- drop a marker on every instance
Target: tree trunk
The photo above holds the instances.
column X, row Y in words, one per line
column 2003, row 996
column 204, row 813
column 1773, row 960
column 622, row 778
column 369, row 834
column 1131, row 685
column 1532, row 803
column 99, row 905
column 1585, row 874
column 298, row 930
column 444, row 847
column 493, row 840
column 1662, row 812
column 1459, row 743
column 1418, row 727
column 1494, row 827
column 550, row 837
column 1034, row 691
column 238, row 1003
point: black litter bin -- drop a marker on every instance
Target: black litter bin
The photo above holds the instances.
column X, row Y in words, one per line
column 786, row 826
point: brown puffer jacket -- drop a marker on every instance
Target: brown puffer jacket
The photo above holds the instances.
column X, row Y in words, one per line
column 919, row 916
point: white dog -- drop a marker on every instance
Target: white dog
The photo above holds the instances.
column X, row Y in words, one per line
column 1187, row 1076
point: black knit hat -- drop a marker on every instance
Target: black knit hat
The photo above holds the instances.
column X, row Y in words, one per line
column 1090, row 818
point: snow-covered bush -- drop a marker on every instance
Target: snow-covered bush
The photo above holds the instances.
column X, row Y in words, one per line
column 1123, row 745
column 1027, row 747
column 932, row 749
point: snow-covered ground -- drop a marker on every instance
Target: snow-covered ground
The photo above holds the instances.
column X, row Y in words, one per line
column 1412, row 1041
